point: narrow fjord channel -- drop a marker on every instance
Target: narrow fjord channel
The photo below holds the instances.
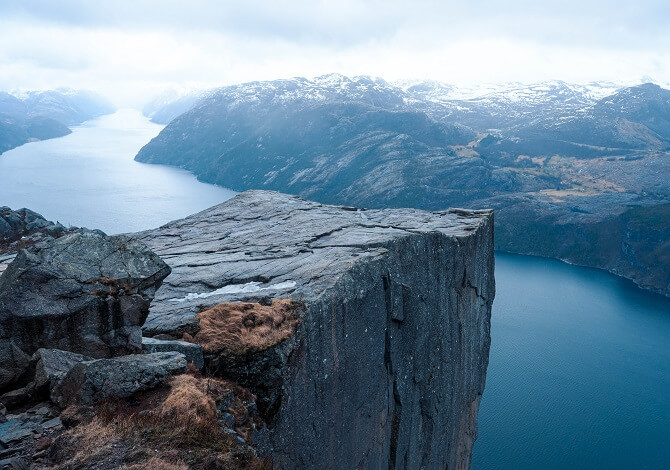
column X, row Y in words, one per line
column 580, row 361
column 89, row 178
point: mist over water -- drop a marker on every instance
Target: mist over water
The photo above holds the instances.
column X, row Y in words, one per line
column 89, row 178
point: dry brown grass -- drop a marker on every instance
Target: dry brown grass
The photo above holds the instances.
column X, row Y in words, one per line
column 188, row 407
column 89, row 442
column 156, row 463
column 173, row 428
column 243, row 327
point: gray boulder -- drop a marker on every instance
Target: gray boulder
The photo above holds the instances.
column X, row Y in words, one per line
column 84, row 292
column 120, row 377
column 48, row 367
column 52, row 365
column 192, row 352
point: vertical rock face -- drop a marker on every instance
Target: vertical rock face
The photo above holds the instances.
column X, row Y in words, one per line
column 387, row 364
column 393, row 361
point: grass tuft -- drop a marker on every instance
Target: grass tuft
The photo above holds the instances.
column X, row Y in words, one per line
column 244, row 327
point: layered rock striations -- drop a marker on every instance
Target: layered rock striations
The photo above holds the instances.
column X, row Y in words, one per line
column 364, row 333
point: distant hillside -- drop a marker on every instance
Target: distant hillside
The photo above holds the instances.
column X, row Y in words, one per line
column 40, row 115
column 170, row 104
column 563, row 164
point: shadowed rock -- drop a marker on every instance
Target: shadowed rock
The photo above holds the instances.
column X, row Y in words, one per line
column 120, row 377
column 16, row 224
column 21, row 229
column 192, row 352
column 84, row 292
column 52, row 365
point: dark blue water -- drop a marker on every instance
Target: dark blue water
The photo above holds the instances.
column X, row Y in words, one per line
column 579, row 373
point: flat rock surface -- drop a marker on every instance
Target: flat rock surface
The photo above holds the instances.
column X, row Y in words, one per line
column 263, row 245
column 192, row 352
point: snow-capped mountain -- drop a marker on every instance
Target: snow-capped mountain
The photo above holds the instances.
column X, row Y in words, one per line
column 563, row 167
column 482, row 107
column 323, row 89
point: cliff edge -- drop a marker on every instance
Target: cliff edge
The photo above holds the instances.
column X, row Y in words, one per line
column 364, row 334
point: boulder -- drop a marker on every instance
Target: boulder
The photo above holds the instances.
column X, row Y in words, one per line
column 17, row 397
column 84, row 292
column 16, row 224
column 45, row 370
column 51, row 366
column 192, row 352
column 120, row 377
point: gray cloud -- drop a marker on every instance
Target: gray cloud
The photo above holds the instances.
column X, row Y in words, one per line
column 602, row 23
column 132, row 48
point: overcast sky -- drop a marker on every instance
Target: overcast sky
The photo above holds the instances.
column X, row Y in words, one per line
column 131, row 49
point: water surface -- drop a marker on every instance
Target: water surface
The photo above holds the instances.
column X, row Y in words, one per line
column 89, row 178
column 579, row 373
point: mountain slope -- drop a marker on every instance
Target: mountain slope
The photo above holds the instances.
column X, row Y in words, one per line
column 40, row 115
column 562, row 164
column 333, row 138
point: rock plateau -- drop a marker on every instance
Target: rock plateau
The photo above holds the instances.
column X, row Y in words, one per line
column 382, row 361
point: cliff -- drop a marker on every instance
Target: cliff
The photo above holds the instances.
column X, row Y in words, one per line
column 363, row 333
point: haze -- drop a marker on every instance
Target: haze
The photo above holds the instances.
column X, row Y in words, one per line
column 131, row 50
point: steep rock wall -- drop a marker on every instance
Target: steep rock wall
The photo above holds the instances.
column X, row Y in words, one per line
column 388, row 363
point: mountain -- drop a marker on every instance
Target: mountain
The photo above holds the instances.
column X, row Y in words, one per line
column 333, row 138
column 574, row 171
column 40, row 115
column 168, row 105
column 70, row 107
column 634, row 118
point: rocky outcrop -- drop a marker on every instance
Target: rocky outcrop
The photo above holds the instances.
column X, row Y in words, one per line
column 386, row 363
column 52, row 365
column 17, row 224
column 192, row 352
column 120, row 377
column 24, row 228
column 84, row 292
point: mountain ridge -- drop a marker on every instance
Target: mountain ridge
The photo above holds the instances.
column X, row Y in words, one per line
column 38, row 115
column 567, row 162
